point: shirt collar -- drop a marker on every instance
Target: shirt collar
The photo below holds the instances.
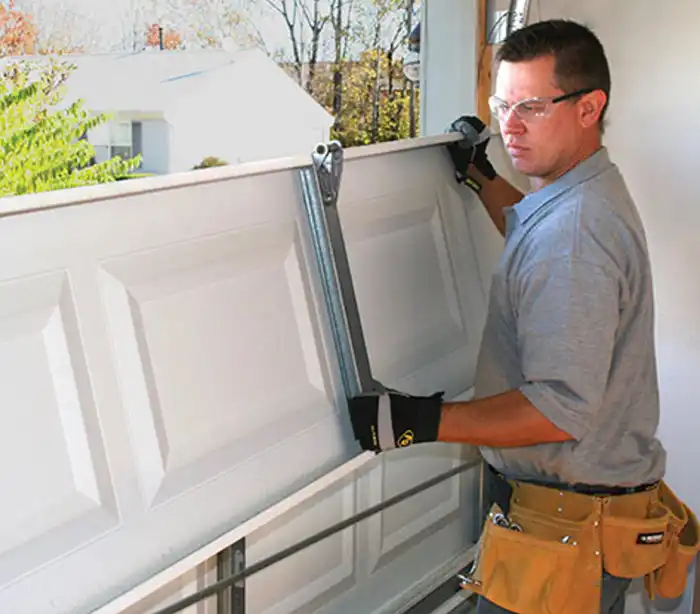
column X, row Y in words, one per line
column 589, row 168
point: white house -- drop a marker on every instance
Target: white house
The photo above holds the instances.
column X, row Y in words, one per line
column 177, row 107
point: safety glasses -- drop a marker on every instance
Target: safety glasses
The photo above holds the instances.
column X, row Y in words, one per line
column 530, row 109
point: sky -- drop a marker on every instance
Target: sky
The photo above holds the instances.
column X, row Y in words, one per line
column 103, row 22
column 101, row 25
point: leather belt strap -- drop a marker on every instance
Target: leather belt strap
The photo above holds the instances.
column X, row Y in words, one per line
column 593, row 490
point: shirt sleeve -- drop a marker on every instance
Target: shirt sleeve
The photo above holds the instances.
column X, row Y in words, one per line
column 567, row 314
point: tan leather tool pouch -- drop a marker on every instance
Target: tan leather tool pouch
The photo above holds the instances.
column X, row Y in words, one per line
column 669, row 580
column 634, row 547
column 529, row 568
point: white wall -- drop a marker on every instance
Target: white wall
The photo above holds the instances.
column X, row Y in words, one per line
column 447, row 63
column 652, row 135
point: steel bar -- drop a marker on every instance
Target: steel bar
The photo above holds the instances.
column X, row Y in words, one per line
column 310, row 541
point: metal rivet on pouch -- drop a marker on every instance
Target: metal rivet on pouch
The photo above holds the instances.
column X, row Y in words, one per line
column 597, row 552
column 560, row 509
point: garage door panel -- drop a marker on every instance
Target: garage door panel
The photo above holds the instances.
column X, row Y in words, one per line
column 413, row 270
column 177, row 351
column 415, row 312
column 410, row 522
column 244, row 316
column 56, row 488
column 185, row 380
column 419, row 542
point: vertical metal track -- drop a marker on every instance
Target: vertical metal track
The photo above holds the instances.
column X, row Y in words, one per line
column 320, row 187
column 231, row 562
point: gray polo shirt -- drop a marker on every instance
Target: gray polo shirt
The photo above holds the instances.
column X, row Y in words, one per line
column 571, row 325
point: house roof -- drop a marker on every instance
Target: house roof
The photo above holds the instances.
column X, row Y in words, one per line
column 156, row 81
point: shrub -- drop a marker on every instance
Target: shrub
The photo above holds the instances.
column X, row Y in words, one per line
column 209, row 162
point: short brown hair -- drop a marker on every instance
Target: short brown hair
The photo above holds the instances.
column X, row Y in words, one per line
column 580, row 61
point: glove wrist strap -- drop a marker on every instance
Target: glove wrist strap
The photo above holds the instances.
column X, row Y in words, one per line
column 472, row 183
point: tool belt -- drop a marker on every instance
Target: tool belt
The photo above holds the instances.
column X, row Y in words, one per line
column 547, row 554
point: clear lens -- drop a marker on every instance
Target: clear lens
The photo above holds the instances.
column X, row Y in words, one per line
column 531, row 109
column 525, row 110
column 499, row 109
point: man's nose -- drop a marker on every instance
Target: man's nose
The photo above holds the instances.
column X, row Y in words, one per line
column 511, row 123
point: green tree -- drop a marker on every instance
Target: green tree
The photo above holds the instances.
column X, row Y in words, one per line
column 376, row 105
column 44, row 147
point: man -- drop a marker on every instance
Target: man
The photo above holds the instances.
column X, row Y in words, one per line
column 566, row 384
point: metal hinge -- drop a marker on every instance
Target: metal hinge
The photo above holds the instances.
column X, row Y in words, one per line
column 519, row 17
column 328, row 165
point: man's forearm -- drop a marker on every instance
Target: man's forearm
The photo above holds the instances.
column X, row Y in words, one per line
column 496, row 195
column 505, row 420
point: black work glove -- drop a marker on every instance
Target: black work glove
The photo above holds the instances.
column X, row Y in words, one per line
column 471, row 150
column 393, row 419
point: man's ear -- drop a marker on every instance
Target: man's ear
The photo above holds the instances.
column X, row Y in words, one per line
column 591, row 106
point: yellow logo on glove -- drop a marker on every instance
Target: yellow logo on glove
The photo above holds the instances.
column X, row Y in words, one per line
column 406, row 439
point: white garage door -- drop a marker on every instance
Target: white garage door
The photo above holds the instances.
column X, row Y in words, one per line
column 168, row 374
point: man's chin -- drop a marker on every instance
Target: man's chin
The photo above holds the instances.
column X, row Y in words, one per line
column 522, row 166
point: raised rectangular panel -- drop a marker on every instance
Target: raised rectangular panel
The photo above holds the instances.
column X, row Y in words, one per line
column 412, row 521
column 303, row 582
column 200, row 401
column 55, row 484
column 414, row 270
column 408, row 323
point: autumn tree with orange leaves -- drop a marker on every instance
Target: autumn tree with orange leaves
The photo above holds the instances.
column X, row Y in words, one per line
column 17, row 31
column 171, row 38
